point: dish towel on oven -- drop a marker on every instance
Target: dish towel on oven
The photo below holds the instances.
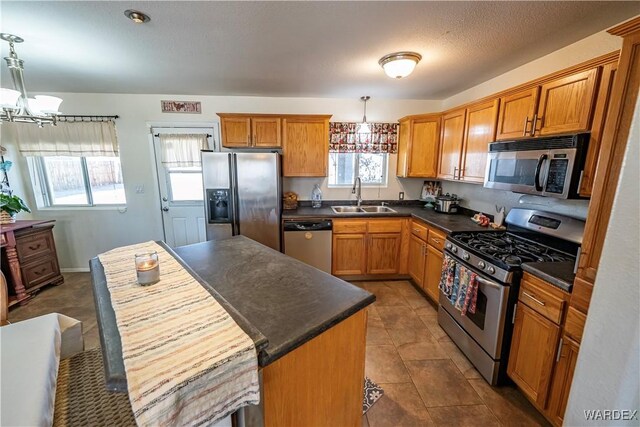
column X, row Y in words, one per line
column 186, row 360
column 459, row 284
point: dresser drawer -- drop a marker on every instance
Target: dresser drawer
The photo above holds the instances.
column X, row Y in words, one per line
column 542, row 297
column 349, row 226
column 419, row 230
column 436, row 239
column 39, row 271
column 34, row 246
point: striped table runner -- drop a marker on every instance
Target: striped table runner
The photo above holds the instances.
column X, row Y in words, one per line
column 187, row 362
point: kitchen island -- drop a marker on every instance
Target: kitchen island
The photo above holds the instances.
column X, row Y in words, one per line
column 309, row 329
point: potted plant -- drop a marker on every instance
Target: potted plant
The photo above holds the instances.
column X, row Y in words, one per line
column 9, row 208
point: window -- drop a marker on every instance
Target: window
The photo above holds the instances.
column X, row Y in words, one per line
column 80, row 181
column 185, row 184
column 370, row 167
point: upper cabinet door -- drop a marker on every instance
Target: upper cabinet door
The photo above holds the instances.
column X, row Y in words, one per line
column 266, row 132
column 516, row 114
column 404, row 133
column 236, row 131
column 305, row 146
column 452, row 136
column 423, row 147
column 479, row 131
column 566, row 104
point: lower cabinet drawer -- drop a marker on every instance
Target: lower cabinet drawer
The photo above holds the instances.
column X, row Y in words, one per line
column 542, row 297
column 40, row 271
column 436, row 239
column 34, row 246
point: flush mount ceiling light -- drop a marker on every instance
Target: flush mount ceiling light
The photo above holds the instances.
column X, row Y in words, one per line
column 15, row 104
column 399, row 64
column 137, row 16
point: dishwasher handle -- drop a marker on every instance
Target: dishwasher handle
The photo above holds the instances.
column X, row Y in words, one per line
column 308, row 225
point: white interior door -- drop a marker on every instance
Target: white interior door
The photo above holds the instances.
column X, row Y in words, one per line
column 181, row 193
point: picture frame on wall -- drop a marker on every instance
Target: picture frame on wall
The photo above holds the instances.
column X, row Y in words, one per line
column 430, row 190
column 185, row 107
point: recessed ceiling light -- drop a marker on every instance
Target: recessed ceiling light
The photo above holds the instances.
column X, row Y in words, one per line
column 137, row 16
column 399, row 64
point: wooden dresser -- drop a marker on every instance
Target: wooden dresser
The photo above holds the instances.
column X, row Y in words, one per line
column 29, row 258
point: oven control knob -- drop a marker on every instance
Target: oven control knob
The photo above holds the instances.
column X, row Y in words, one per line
column 491, row 270
column 449, row 246
column 482, row 265
column 454, row 250
column 465, row 256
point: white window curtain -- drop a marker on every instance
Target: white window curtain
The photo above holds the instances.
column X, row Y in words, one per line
column 74, row 139
column 182, row 149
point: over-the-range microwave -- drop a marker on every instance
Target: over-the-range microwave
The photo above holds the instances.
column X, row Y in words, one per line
column 547, row 166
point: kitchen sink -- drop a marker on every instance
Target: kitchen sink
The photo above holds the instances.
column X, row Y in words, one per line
column 377, row 209
column 362, row 209
column 346, row 209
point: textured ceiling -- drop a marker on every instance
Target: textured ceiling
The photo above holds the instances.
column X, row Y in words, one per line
column 302, row 49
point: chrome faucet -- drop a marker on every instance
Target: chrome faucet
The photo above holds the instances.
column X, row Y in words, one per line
column 357, row 191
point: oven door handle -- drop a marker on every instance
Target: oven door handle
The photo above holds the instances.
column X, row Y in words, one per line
column 489, row 283
column 536, row 178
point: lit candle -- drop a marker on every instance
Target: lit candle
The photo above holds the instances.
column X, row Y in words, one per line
column 147, row 268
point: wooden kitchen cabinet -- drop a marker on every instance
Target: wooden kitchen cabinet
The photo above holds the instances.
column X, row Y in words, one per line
column 479, row 131
column 418, row 146
column 566, row 104
column 305, row 146
column 451, row 140
column 432, row 272
column 383, row 253
column 516, row 114
column 349, row 253
column 562, row 378
column 247, row 131
column 597, row 128
column 533, row 350
column 367, row 247
column 417, row 260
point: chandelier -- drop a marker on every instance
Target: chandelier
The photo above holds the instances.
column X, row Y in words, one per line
column 16, row 105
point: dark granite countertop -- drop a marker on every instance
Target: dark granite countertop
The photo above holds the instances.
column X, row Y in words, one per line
column 447, row 222
column 288, row 301
column 559, row 274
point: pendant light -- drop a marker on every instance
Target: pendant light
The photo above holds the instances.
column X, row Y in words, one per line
column 364, row 126
column 15, row 105
column 399, row 64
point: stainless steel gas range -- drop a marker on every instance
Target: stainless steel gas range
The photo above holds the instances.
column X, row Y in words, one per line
column 532, row 236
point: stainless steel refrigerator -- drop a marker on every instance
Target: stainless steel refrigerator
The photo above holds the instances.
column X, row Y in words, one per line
column 243, row 195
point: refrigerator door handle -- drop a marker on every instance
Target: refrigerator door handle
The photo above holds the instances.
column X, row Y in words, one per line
column 233, row 171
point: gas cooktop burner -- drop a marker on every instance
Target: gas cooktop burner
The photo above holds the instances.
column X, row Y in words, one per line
column 509, row 249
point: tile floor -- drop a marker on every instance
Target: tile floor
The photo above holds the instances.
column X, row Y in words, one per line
column 426, row 379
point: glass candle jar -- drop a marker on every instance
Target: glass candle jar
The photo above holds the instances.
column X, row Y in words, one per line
column 147, row 268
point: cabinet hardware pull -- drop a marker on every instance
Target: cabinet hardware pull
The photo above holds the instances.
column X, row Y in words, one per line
column 533, row 298
column 559, row 350
column 454, row 172
column 437, row 241
column 39, row 272
column 526, row 122
column 515, row 309
column 416, row 230
column 533, row 124
column 33, row 248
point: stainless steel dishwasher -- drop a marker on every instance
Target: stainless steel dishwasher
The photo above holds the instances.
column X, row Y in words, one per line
column 309, row 242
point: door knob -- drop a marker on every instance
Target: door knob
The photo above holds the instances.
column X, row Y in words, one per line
column 166, row 209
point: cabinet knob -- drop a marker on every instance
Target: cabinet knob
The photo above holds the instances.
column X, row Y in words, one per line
column 166, row 209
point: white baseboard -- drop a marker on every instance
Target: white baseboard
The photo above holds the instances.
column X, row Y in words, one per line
column 75, row 270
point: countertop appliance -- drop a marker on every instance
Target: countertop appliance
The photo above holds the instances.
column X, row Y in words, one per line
column 549, row 166
column 531, row 236
column 309, row 242
column 243, row 195
column 447, row 204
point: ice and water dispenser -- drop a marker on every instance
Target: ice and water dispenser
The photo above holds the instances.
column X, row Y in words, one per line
column 219, row 201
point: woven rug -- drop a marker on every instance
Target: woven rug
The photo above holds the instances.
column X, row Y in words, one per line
column 372, row 392
column 82, row 398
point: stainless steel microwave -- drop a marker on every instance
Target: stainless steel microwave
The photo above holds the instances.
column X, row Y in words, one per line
column 548, row 166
